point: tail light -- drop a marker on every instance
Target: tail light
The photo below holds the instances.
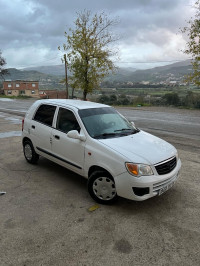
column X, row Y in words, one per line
column 22, row 124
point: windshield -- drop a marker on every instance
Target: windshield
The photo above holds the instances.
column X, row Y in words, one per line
column 106, row 123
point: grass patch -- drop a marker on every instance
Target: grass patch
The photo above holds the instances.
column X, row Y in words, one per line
column 15, row 97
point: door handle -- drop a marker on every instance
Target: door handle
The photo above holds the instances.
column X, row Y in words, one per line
column 56, row 137
column 33, row 126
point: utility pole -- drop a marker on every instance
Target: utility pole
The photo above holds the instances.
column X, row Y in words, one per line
column 66, row 80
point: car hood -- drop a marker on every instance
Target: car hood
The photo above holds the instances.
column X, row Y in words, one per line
column 141, row 147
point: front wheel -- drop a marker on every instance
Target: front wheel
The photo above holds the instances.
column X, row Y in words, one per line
column 29, row 152
column 101, row 187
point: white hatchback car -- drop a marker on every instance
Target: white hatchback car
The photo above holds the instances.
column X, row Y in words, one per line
column 97, row 142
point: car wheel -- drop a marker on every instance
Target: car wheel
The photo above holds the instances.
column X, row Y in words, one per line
column 29, row 152
column 101, row 187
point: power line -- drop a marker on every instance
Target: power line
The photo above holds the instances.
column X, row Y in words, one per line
column 150, row 62
column 118, row 62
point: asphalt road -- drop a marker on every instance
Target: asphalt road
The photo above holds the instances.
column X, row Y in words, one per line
column 46, row 217
column 175, row 121
column 181, row 127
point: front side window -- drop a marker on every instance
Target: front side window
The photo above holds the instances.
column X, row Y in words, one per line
column 17, row 85
column 33, row 84
column 67, row 121
column 106, row 123
column 45, row 114
column 9, row 85
column 22, row 92
column 9, row 92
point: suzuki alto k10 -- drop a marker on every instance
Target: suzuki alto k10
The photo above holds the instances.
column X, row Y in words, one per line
column 97, row 142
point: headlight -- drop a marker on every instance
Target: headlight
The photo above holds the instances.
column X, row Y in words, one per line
column 139, row 169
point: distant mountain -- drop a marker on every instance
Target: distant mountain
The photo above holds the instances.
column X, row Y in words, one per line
column 177, row 71
column 57, row 70
column 15, row 74
column 183, row 64
column 50, row 76
column 45, row 80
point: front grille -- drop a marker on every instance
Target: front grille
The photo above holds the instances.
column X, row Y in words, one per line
column 166, row 167
column 161, row 184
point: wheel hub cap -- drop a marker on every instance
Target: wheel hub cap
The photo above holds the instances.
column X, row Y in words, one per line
column 104, row 188
column 28, row 151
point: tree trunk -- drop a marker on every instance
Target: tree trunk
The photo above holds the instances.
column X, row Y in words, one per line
column 84, row 95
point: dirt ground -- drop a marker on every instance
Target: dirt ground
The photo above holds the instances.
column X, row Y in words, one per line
column 47, row 219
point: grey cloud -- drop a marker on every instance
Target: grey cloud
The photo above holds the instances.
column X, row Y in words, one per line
column 43, row 22
column 63, row 5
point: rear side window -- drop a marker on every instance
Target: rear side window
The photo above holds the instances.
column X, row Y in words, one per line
column 45, row 114
column 67, row 121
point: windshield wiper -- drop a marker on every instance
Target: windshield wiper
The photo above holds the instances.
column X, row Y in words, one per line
column 133, row 130
column 123, row 129
column 104, row 135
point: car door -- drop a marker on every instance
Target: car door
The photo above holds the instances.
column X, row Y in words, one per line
column 41, row 127
column 68, row 151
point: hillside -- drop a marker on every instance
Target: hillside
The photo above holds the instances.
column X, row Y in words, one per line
column 56, row 70
column 51, row 80
column 59, row 70
column 160, row 74
column 175, row 71
column 45, row 80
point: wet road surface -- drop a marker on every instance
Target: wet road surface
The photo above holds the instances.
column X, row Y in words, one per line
column 179, row 123
column 159, row 120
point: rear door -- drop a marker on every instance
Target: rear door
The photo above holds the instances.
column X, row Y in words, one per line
column 68, row 152
column 41, row 128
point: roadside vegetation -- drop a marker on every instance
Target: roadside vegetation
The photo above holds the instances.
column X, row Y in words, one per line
column 185, row 98
column 15, row 97
column 182, row 98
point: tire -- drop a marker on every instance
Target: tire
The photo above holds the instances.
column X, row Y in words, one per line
column 101, row 187
column 29, row 152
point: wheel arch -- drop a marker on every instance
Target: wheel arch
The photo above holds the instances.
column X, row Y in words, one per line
column 26, row 139
column 95, row 168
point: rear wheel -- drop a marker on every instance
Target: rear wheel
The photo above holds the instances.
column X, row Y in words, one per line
column 101, row 187
column 29, row 152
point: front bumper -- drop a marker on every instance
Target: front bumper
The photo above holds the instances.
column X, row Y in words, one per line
column 145, row 187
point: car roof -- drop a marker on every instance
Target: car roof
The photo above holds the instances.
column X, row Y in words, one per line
column 73, row 103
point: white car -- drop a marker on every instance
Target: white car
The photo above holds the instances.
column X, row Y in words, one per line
column 97, row 142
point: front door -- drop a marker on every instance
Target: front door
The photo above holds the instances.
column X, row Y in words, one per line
column 67, row 151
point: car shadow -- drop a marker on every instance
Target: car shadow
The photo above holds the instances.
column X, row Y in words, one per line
column 157, row 204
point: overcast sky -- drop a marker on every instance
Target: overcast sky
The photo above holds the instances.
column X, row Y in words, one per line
column 31, row 30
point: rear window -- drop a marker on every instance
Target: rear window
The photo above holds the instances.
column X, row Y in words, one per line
column 45, row 114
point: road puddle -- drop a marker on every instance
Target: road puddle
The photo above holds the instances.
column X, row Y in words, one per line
column 6, row 100
column 14, row 120
column 10, row 134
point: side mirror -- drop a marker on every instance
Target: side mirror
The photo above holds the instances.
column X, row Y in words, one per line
column 133, row 124
column 73, row 134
